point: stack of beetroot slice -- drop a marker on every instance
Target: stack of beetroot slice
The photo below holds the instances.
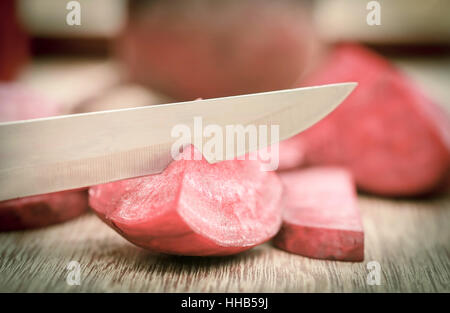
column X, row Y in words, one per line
column 197, row 208
column 193, row 207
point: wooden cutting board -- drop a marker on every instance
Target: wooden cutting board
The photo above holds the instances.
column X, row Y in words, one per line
column 409, row 238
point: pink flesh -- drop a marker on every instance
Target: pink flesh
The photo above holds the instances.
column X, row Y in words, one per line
column 19, row 103
column 193, row 207
column 321, row 218
column 393, row 139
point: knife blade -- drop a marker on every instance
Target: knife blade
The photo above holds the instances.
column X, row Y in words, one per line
column 80, row 150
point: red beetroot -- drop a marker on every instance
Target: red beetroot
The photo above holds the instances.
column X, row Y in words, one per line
column 321, row 218
column 217, row 48
column 193, row 207
column 42, row 210
column 394, row 140
column 19, row 103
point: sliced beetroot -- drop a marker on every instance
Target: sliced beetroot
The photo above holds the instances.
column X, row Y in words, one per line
column 321, row 217
column 393, row 139
column 42, row 210
column 193, row 207
column 291, row 154
column 20, row 103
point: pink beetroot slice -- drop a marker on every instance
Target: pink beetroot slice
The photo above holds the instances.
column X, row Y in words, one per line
column 321, row 217
column 392, row 137
column 193, row 207
column 20, row 103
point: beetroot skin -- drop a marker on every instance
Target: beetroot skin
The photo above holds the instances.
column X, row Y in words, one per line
column 321, row 218
column 19, row 103
column 217, row 48
column 42, row 210
column 193, row 207
column 394, row 140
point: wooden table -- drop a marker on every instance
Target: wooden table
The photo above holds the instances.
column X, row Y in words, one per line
column 409, row 238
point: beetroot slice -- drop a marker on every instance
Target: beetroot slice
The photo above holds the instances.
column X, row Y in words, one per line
column 42, row 210
column 321, row 218
column 19, row 103
column 193, row 207
column 393, row 139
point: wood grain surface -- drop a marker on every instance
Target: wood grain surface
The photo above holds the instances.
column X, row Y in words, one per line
column 409, row 238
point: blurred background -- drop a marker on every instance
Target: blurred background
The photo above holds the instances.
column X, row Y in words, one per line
column 138, row 52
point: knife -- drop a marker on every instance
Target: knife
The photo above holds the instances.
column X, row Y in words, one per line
column 80, row 150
